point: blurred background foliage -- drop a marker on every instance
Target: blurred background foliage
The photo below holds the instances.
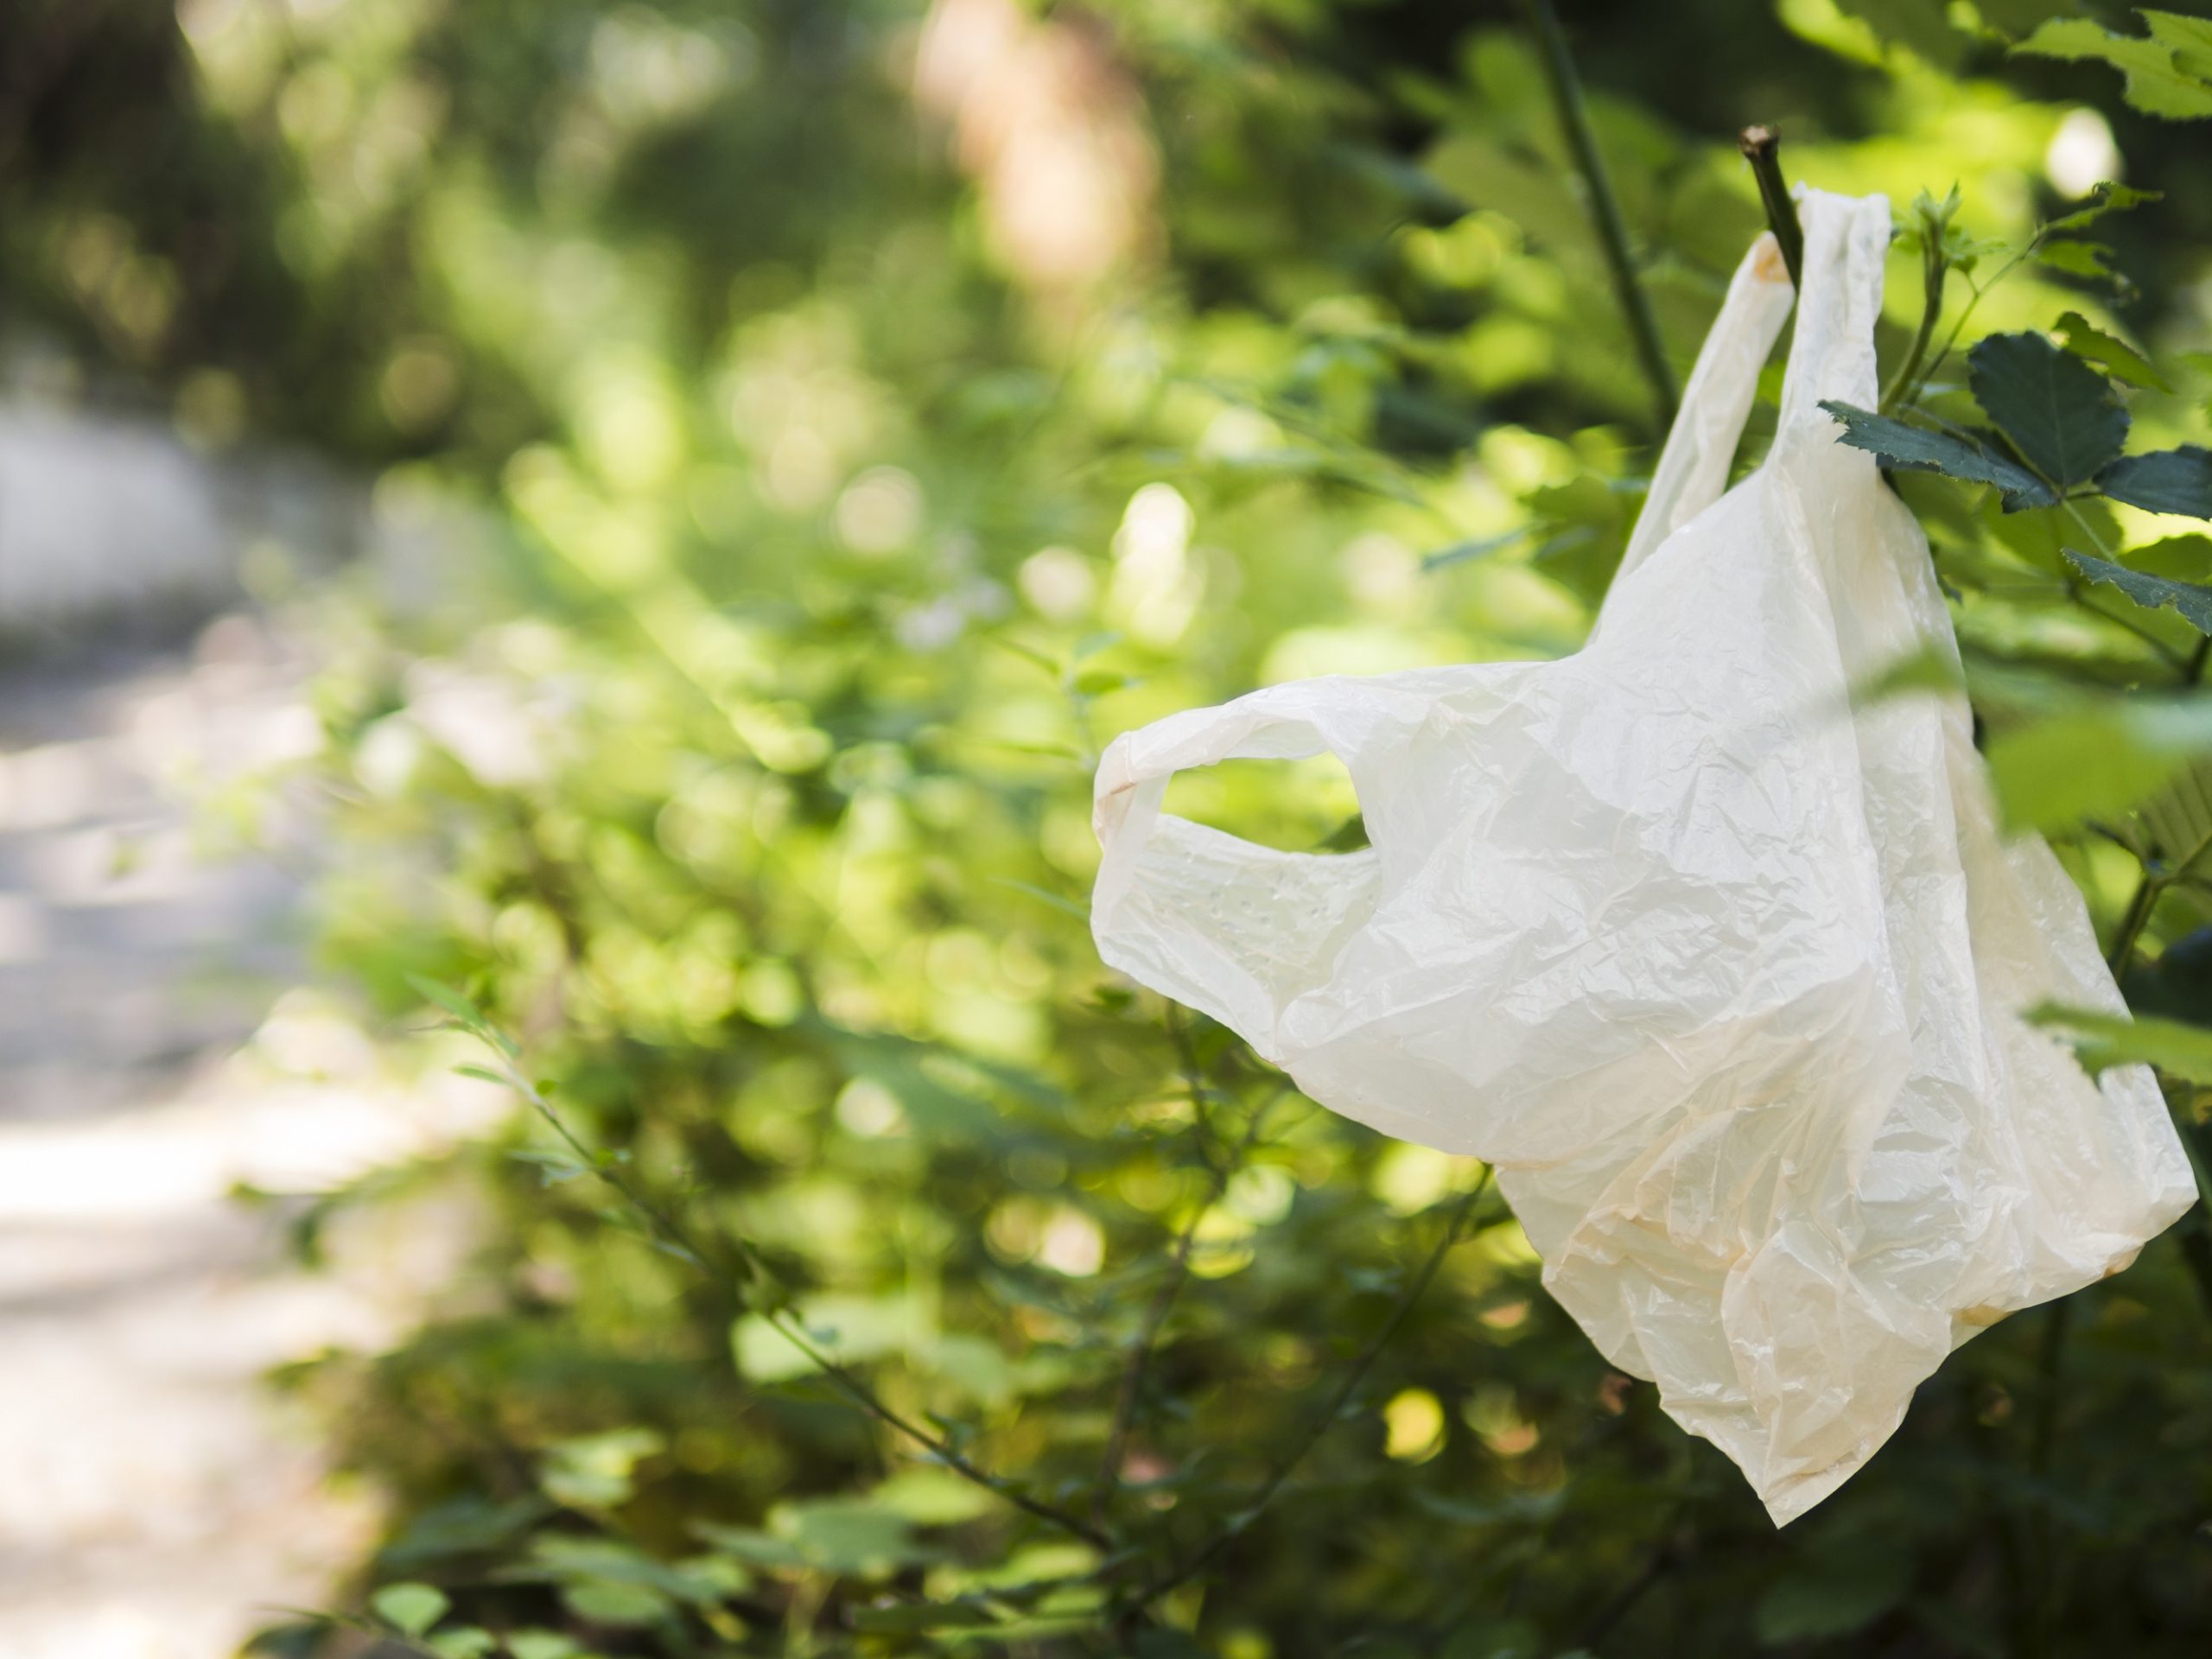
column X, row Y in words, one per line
column 823, row 424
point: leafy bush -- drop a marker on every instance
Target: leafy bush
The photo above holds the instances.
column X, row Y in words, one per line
column 877, row 1274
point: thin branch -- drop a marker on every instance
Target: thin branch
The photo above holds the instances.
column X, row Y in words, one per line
column 673, row 1233
column 1604, row 207
column 1762, row 148
column 2133, row 921
column 1323, row 1419
column 1935, row 266
column 1141, row 1345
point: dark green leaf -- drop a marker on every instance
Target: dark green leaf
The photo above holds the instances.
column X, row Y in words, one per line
column 2108, row 352
column 2164, row 480
column 1917, row 449
column 2189, row 600
column 2060, row 414
column 909, row 1618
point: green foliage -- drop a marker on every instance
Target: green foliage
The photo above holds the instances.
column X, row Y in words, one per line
column 1918, row 449
column 2061, row 416
column 2168, row 71
column 867, row 1271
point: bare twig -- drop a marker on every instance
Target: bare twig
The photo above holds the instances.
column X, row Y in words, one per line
column 1604, row 207
column 1762, row 148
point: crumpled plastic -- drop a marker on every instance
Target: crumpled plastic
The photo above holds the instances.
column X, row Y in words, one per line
column 1721, row 973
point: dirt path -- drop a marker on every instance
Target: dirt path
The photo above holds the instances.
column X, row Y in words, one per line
column 153, row 1502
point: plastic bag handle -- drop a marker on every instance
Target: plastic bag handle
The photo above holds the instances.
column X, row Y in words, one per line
column 1832, row 354
column 1693, row 469
column 1263, row 921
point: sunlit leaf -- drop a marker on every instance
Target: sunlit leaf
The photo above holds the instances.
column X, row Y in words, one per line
column 2060, row 414
column 2108, row 352
column 2094, row 762
column 2156, row 84
column 409, row 1608
column 2103, row 1041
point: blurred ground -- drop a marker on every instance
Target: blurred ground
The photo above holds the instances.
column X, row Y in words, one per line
column 155, row 1503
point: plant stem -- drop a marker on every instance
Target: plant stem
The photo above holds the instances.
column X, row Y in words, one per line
column 2133, row 921
column 1933, row 269
column 674, row 1233
column 1604, row 207
column 1141, row 1345
column 1762, row 148
column 1321, row 1422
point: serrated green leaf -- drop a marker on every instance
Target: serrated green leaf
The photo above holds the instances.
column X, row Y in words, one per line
column 2108, row 352
column 2090, row 260
column 1917, row 449
column 2189, row 600
column 2102, row 1041
column 409, row 1608
column 2106, row 199
column 2155, row 83
column 2180, row 818
column 2164, row 480
column 2060, row 414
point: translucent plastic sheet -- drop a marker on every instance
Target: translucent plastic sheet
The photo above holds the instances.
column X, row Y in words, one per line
column 1723, row 975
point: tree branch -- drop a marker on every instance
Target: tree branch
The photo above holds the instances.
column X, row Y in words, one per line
column 1604, row 207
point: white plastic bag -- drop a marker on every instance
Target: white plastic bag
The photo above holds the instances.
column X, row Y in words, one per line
column 1723, row 976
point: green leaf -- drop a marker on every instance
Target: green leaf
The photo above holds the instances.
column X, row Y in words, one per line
column 2163, row 480
column 2108, row 352
column 2156, row 84
column 2104, row 199
column 913, row 1618
column 542, row 1644
column 2189, row 600
column 595, row 1470
column 2180, row 818
column 2094, row 762
column 463, row 1641
column 2185, row 558
column 1916, row 449
column 629, row 1605
column 2103, row 1041
column 410, row 1609
column 448, row 1000
column 2092, row 260
column 2060, row 414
